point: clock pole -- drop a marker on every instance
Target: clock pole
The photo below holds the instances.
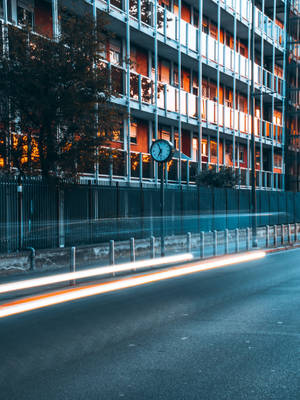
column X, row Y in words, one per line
column 162, row 208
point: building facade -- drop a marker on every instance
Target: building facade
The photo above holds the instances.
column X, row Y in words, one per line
column 184, row 73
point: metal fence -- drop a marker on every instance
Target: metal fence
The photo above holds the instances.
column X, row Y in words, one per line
column 40, row 215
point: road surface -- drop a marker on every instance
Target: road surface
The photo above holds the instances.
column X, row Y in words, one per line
column 230, row 333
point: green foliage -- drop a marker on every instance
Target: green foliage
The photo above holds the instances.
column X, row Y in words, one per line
column 224, row 178
column 56, row 108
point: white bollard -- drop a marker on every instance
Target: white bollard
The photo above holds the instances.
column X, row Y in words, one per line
column 132, row 250
column 189, row 242
column 215, row 243
column 267, row 236
column 237, row 240
column 152, row 246
column 226, row 241
column 111, row 252
column 248, row 239
column 73, row 263
column 202, row 239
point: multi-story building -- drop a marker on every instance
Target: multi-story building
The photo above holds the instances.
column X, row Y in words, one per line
column 183, row 71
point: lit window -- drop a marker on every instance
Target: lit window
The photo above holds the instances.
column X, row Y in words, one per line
column 195, row 149
column 133, row 132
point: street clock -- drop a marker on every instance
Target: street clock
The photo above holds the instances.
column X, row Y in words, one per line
column 161, row 150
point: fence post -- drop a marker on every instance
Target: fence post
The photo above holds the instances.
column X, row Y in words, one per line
column 202, row 237
column 226, row 241
column 296, row 232
column 132, row 250
column 112, row 252
column 215, row 243
column 60, row 211
column 267, row 236
column 248, row 238
column 282, row 234
column 152, row 246
column 237, row 240
column 73, row 264
column 189, row 242
column 275, row 236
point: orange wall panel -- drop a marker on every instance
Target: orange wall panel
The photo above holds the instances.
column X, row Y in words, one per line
column 186, row 12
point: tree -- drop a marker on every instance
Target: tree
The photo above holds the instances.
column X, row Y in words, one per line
column 226, row 177
column 55, row 104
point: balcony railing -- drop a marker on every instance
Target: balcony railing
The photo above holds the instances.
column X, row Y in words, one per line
column 142, row 168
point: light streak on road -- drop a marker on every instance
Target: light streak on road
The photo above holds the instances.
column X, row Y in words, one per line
column 49, row 280
column 78, row 293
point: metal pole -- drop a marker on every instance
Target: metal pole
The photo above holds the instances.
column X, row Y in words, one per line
column 20, row 213
column 162, row 207
column 282, row 234
column 253, row 189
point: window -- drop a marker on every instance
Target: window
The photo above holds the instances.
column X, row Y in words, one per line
column 195, row 149
column 277, row 160
column 213, row 152
column 204, row 26
column 133, row 132
column 115, row 52
column 204, row 149
column 25, row 13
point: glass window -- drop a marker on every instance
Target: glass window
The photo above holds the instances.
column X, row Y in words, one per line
column 25, row 13
column 133, row 132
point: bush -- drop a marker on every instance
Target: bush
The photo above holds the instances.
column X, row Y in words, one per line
column 226, row 177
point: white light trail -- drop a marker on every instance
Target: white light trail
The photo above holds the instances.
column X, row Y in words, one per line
column 78, row 293
column 50, row 280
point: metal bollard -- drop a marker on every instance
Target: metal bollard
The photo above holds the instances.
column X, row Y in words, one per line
column 237, row 240
column 112, row 252
column 215, row 243
column 73, row 264
column 202, row 239
column 267, row 236
column 289, row 235
column 189, row 242
column 296, row 232
column 152, row 246
column 275, row 236
column 132, row 250
column 226, row 241
column 282, row 234
column 248, row 239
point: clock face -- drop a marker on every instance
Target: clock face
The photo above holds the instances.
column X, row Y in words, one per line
column 161, row 150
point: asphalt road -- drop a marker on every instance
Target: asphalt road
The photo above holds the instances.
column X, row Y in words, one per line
column 230, row 333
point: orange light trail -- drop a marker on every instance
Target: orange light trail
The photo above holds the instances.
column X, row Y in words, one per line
column 36, row 302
